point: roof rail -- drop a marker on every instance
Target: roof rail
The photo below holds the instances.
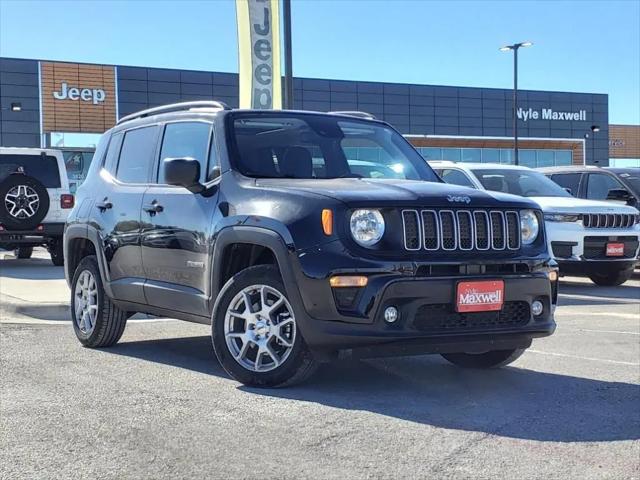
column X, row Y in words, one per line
column 355, row 113
column 175, row 107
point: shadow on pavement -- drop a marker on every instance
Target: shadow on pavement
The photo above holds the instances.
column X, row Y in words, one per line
column 596, row 295
column 511, row 402
column 30, row 269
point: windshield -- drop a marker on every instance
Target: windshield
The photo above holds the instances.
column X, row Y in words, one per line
column 299, row 145
column 525, row 183
column 632, row 180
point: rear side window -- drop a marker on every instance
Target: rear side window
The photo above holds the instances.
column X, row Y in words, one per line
column 111, row 159
column 185, row 139
column 569, row 181
column 44, row 168
column 136, row 155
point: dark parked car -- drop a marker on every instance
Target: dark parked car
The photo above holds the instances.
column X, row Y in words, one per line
column 596, row 183
column 255, row 222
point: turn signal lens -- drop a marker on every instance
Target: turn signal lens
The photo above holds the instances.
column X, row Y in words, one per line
column 553, row 275
column 348, row 281
column 327, row 221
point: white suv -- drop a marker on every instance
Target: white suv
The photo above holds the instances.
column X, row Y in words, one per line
column 34, row 201
column 586, row 237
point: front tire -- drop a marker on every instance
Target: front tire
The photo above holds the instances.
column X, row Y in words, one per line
column 611, row 279
column 255, row 332
column 97, row 322
column 23, row 252
column 491, row 359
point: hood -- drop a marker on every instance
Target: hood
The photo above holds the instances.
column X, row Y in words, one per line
column 580, row 205
column 388, row 192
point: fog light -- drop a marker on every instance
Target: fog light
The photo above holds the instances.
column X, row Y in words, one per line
column 390, row 314
column 553, row 275
column 537, row 307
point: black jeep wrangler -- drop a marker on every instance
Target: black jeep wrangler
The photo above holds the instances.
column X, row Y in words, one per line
column 301, row 237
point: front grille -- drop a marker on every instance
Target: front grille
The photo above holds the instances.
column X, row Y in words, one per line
column 596, row 247
column 608, row 220
column 461, row 230
column 442, row 317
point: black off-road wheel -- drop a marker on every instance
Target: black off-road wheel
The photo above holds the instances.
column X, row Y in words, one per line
column 97, row 322
column 492, row 359
column 56, row 251
column 23, row 252
column 611, row 279
column 255, row 332
column 24, row 202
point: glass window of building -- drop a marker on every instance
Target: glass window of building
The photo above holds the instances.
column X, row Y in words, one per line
column 431, row 153
column 452, row 154
column 471, row 155
column 564, row 157
column 527, row 158
column 506, row 155
column 545, row 158
column 490, row 155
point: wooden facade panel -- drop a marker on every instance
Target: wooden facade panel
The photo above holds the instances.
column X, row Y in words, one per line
column 624, row 141
column 91, row 115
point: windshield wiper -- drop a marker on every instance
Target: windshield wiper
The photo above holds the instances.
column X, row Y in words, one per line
column 350, row 175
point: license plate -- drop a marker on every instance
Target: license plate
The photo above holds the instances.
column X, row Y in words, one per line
column 615, row 249
column 480, row 296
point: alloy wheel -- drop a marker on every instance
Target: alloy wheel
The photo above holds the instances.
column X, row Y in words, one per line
column 86, row 302
column 260, row 328
column 22, row 201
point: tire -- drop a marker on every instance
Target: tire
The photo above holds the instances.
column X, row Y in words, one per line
column 288, row 359
column 611, row 279
column 107, row 326
column 17, row 188
column 491, row 359
column 56, row 250
column 23, row 252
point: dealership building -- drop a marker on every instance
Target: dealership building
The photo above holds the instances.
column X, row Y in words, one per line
column 64, row 105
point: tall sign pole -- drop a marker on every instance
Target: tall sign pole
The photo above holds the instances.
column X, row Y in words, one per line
column 288, row 60
column 259, row 53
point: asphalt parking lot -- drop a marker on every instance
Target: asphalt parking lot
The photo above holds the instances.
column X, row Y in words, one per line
column 158, row 405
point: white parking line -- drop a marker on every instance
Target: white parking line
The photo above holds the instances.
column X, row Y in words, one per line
column 602, row 360
column 602, row 299
column 608, row 331
column 568, row 310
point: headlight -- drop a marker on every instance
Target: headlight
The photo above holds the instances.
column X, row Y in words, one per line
column 529, row 226
column 367, row 227
column 561, row 217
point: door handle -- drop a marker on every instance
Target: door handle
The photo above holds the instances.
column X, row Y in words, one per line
column 104, row 205
column 153, row 208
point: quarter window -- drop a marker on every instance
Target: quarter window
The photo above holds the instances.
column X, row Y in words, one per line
column 599, row 184
column 182, row 140
column 111, row 159
column 136, row 155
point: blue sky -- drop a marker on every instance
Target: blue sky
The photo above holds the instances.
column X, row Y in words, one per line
column 590, row 46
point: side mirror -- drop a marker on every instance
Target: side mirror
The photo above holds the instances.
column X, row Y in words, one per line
column 183, row 172
column 619, row 194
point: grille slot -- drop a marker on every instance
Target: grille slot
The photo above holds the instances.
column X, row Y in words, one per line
column 411, row 226
column 465, row 230
column 608, row 220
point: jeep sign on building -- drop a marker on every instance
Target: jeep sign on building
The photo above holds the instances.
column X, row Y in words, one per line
column 44, row 101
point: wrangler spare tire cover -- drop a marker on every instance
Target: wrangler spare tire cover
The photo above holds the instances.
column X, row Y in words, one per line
column 24, row 202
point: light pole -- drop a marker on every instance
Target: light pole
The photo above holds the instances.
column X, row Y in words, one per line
column 594, row 130
column 515, row 47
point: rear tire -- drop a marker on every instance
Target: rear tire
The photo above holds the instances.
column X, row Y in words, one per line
column 56, row 251
column 491, row 359
column 259, row 343
column 23, row 252
column 97, row 322
column 611, row 279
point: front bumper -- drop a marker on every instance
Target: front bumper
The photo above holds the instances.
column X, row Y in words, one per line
column 32, row 237
column 428, row 322
column 582, row 251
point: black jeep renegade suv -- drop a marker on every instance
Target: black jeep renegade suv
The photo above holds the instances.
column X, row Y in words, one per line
column 301, row 237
